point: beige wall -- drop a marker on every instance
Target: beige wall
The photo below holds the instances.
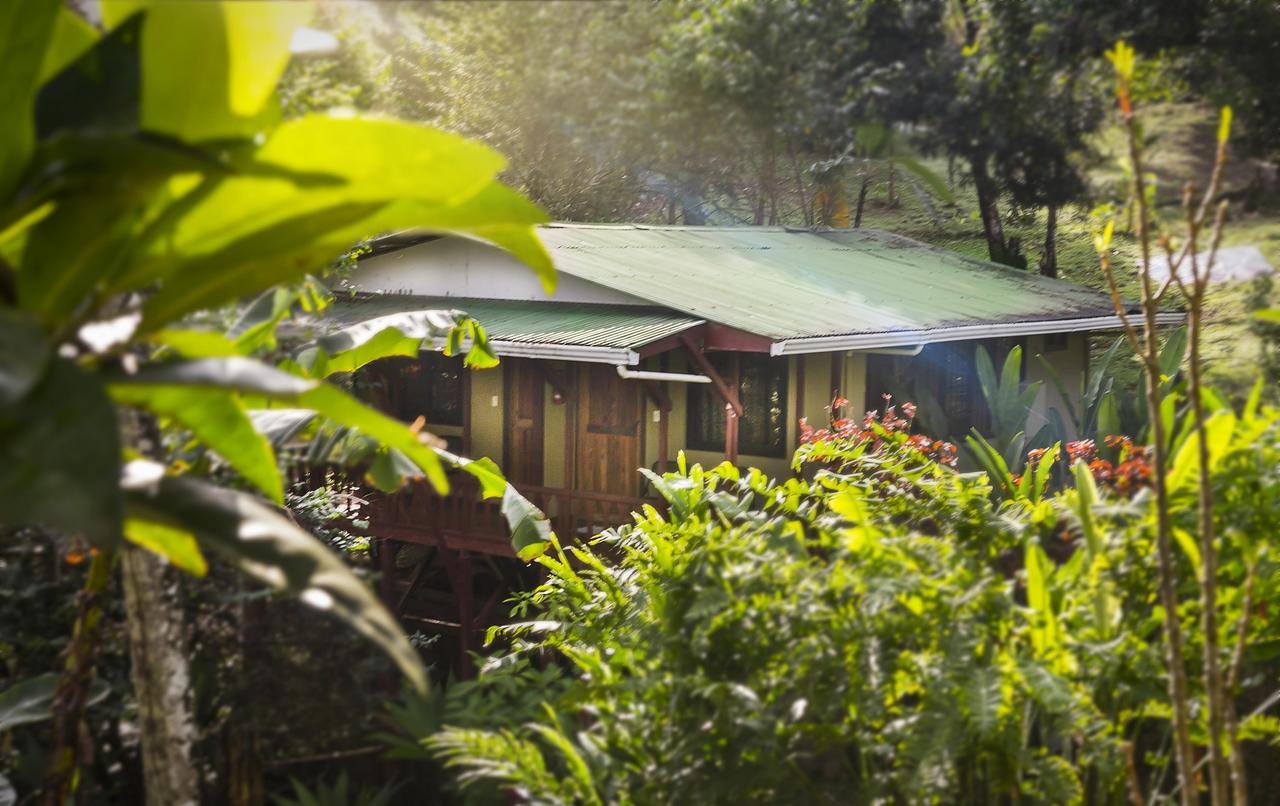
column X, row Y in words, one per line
column 487, row 420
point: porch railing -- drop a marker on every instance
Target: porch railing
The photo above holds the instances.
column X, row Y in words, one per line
column 462, row 520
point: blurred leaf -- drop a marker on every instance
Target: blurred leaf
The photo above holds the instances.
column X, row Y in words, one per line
column 208, row 69
column 401, row 334
column 1186, row 463
column 269, row 547
column 26, row 28
column 72, row 36
column 174, row 543
column 1171, row 354
column 60, row 457
column 280, row 426
column 216, row 418
column 24, row 354
column 253, row 377
column 32, row 700
column 196, row 343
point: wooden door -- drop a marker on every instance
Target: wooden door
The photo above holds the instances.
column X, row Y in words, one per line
column 609, row 431
column 523, row 440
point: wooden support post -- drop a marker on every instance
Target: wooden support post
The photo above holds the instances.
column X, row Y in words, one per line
column 836, row 365
column 571, row 428
column 799, row 386
column 730, row 434
column 466, row 617
column 731, row 414
column 387, row 574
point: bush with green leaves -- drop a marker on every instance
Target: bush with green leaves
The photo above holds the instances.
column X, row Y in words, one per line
column 876, row 629
column 847, row 639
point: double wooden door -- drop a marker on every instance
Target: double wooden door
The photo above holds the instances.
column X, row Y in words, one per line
column 605, row 417
column 609, row 431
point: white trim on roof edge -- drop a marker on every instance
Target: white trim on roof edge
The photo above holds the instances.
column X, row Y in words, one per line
column 906, row 338
column 618, row 356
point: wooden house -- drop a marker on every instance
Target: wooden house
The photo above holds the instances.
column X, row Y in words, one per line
column 714, row 341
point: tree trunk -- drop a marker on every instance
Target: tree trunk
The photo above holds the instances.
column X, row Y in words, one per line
column 862, row 199
column 1049, row 263
column 989, row 209
column 161, row 679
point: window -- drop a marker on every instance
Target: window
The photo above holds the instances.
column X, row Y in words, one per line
column 762, row 390
column 1054, row 342
column 429, row 386
column 942, row 381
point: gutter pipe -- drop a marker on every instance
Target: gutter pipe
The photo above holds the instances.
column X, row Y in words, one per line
column 645, row 375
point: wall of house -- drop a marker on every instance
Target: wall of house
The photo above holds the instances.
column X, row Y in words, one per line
column 810, row 402
column 487, row 422
column 487, row 407
column 457, row 267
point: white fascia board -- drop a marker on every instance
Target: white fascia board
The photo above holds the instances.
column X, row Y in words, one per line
column 618, row 356
column 910, row 338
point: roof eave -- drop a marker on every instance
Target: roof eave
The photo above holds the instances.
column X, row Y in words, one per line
column 908, row 338
column 557, row 352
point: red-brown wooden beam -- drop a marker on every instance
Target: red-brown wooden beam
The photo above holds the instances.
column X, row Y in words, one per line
column 672, row 342
column 727, row 393
column 722, row 337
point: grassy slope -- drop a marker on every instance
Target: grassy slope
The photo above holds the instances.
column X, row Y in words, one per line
column 1181, row 140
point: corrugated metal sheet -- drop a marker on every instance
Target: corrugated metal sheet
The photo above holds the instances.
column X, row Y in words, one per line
column 794, row 285
column 526, row 322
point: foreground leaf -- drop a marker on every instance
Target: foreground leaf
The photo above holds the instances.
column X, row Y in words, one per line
column 60, row 457
column 269, row 547
column 26, row 28
column 32, row 700
column 217, row 418
column 175, row 544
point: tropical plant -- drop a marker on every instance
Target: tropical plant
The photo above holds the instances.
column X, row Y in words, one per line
column 876, row 628
column 1009, row 404
column 136, row 195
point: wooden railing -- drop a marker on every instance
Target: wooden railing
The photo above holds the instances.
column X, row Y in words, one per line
column 462, row 520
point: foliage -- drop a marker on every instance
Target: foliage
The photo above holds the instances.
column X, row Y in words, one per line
column 875, row 629
column 136, row 195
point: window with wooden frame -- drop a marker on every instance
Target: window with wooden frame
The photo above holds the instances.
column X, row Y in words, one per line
column 432, row 386
column 762, row 389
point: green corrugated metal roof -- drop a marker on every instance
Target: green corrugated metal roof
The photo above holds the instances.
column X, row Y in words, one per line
column 799, row 284
column 622, row 327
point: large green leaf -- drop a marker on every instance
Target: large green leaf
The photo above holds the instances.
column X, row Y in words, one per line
column 174, row 543
column 217, row 418
column 308, row 242
column 368, row 162
column 269, row 547
column 400, row 334
column 32, row 700
column 529, row 526
column 72, row 36
column 248, row 376
column 24, row 353
column 209, row 68
column 60, row 457
column 26, row 28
